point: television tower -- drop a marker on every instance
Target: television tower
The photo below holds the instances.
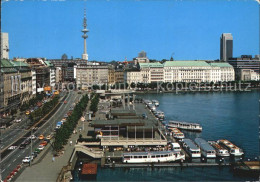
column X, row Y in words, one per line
column 84, row 36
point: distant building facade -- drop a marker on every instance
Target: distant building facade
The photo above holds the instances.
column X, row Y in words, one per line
column 142, row 58
column 88, row 75
column 246, row 67
column 152, row 72
column 4, row 46
column 226, row 46
column 133, row 76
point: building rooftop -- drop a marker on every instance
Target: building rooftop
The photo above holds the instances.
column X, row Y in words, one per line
column 221, row 65
column 116, row 122
column 152, row 65
column 186, row 64
column 19, row 64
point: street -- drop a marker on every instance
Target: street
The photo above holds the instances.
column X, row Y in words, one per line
column 16, row 156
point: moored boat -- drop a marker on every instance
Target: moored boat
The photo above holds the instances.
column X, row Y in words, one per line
column 156, row 103
column 151, row 157
column 233, row 149
column 191, row 148
column 206, row 149
column 185, row 125
column 220, row 150
column 176, row 133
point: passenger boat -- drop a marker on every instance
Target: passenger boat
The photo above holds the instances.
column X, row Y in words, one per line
column 191, row 148
column 233, row 149
column 220, row 150
column 156, row 103
column 176, row 133
column 185, row 125
column 206, row 149
column 151, row 157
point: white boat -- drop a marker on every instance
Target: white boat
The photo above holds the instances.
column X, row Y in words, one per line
column 191, row 148
column 206, row 149
column 151, row 157
column 233, row 149
column 176, row 133
column 185, row 125
column 156, row 103
column 220, row 150
column 176, row 147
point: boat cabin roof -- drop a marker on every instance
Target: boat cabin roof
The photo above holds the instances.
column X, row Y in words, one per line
column 148, row 153
column 190, row 144
column 183, row 123
column 228, row 144
column 204, row 144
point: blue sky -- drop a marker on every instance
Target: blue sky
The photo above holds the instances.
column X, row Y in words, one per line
column 118, row 29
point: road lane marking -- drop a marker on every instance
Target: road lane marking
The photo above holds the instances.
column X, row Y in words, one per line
column 14, row 160
column 3, row 170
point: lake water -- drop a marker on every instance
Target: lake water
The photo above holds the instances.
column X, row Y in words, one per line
column 226, row 115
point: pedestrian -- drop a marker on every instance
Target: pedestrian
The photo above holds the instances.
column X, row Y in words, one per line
column 70, row 142
column 53, row 159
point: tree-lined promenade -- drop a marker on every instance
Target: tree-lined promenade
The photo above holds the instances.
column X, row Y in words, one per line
column 63, row 134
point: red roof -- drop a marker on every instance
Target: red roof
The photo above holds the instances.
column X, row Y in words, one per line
column 89, row 169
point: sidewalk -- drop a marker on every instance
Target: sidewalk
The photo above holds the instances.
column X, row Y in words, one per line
column 47, row 170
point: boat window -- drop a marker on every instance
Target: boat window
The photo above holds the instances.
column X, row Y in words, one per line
column 140, row 156
column 135, row 157
column 153, row 156
column 145, row 156
column 158, row 156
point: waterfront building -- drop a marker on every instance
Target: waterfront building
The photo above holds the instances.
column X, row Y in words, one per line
column 87, row 75
column 4, row 46
column 226, row 46
column 133, row 76
column 58, row 74
column 197, row 71
column 111, row 75
column 246, row 67
column 227, row 72
column 152, row 72
column 52, row 73
column 119, row 76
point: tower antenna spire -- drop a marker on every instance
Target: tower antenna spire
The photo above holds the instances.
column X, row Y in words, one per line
column 85, row 36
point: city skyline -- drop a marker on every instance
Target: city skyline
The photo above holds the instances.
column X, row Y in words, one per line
column 123, row 29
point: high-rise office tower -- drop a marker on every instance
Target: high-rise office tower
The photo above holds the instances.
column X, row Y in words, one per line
column 226, row 46
column 4, row 46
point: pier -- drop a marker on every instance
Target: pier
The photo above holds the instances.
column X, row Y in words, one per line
column 116, row 165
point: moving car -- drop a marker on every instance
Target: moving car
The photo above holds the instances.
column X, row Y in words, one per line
column 12, row 147
column 22, row 146
column 33, row 137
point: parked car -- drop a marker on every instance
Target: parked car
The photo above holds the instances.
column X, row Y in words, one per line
column 41, row 137
column 40, row 147
column 49, row 137
column 28, row 159
column 37, row 151
column 65, row 102
column 144, row 116
column 44, row 143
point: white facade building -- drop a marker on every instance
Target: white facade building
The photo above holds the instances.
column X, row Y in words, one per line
column 34, row 87
column 4, row 46
column 152, row 72
column 133, row 76
column 197, row 71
